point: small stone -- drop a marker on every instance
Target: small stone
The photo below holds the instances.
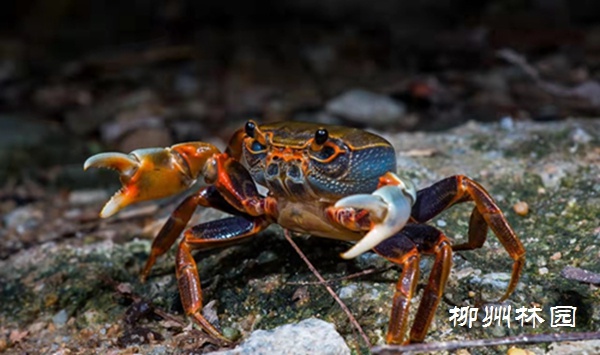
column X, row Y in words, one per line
column 16, row 335
column 347, row 291
column 464, row 272
column 125, row 288
column 519, row 351
column 581, row 275
column 556, row 256
column 23, row 218
column 580, row 136
column 507, row 123
column 145, row 138
column 310, row 336
column 88, row 197
column 36, row 327
column 231, row 333
column 60, row 318
column 471, row 294
column 366, row 107
column 266, row 257
column 113, row 131
column 575, row 347
column 159, row 350
column 497, row 280
column 543, row 270
column 521, row 208
column 301, row 296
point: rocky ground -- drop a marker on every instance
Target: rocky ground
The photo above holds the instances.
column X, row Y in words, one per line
column 69, row 281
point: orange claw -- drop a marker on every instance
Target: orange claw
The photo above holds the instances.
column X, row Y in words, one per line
column 152, row 173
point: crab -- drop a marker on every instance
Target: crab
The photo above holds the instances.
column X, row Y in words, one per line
column 327, row 181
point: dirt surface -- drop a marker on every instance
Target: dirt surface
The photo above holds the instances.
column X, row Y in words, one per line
column 70, row 281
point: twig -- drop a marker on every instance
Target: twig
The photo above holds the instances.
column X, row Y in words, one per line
column 588, row 91
column 581, row 275
column 286, row 233
column 512, row 340
column 343, row 278
column 520, row 61
column 127, row 292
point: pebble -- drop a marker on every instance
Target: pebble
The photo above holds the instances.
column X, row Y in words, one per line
column 543, row 270
column 310, row 336
column 60, row 318
column 519, row 351
column 507, row 123
column 497, row 280
column 575, row 347
column 521, row 208
column 266, row 257
column 347, row 292
column 23, row 218
column 367, row 108
column 88, row 197
column 145, row 138
column 112, row 131
column 159, row 350
column 556, row 256
column 578, row 135
column 467, row 271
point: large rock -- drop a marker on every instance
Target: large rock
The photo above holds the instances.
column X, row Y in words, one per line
column 367, row 108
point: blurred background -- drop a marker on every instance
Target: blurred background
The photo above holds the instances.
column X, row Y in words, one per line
column 132, row 74
column 139, row 73
column 144, row 73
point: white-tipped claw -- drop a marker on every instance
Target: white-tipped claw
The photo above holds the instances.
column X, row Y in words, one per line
column 373, row 203
column 126, row 165
column 392, row 203
column 123, row 163
column 114, row 205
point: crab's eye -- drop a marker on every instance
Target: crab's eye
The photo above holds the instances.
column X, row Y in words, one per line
column 321, row 136
column 250, row 128
column 256, row 146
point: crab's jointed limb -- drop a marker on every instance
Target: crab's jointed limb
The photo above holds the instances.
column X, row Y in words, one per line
column 486, row 215
column 405, row 248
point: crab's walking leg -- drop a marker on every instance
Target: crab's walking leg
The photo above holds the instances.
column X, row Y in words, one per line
column 433, row 200
column 431, row 241
column 233, row 191
column 400, row 250
column 204, row 236
column 207, row 197
column 404, row 248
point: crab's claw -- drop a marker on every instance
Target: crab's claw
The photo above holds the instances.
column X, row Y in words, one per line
column 390, row 203
column 152, row 173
